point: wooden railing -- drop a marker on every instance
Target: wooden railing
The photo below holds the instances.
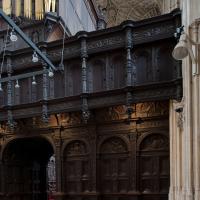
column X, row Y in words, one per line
column 120, row 65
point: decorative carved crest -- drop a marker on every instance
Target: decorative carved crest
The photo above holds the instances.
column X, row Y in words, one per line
column 76, row 148
column 152, row 108
column 72, row 118
column 155, row 142
column 113, row 145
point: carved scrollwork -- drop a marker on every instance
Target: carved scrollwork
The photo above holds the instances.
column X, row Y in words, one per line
column 113, row 145
column 152, row 108
column 154, row 142
column 72, row 118
column 76, row 148
column 112, row 113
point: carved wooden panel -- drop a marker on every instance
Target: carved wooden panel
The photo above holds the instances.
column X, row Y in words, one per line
column 75, row 78
column 39, row 87
column 113, row 166
column 97, row 75
column 76, row 168
column 164, row 62
column 154, row 167
column 118, row 65
column 25, row 90
column 144, row 70
column 59, row 86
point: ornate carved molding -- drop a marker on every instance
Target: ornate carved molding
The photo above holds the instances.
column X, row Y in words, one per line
column 154, row 142
column 113, row 145
column 179, row 109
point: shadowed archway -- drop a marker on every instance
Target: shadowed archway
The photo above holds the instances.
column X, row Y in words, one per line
column 25, row 162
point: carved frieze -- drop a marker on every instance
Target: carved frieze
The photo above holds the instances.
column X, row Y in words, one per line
column 71, row 118
column 146, row 109
column 105, row 43
column 153, row 33
column 75, row 148
column 111, row 113
column 154, row 142
column 113, row 145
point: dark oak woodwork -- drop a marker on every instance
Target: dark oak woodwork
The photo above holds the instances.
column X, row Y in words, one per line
column 105, row 159
column 117, row 63
column 110, row 157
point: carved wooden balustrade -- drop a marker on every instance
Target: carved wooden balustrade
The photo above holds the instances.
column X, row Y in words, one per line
column 121, row 65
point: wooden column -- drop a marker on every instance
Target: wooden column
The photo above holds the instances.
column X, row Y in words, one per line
column 59, row 178
column 93, row 149
column 9, row 92
column 44, row 86
column 129, row 68
column 2, row 179
column 84, row 96
column 133, row 161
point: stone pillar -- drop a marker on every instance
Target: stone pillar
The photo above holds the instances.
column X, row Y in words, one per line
column 190, row 160
column 195, row 34
column 176, row 129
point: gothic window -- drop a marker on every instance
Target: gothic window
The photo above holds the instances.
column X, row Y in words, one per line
column 76, row 168
column 114, row 170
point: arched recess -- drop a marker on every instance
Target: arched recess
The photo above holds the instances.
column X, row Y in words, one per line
column 24, row 168
column 97, row 75
column 76, row 167
column 74, row 78
column 118, row 64
column 113, row 166
column 164, row 62
column 144, row 71
column 154, row 166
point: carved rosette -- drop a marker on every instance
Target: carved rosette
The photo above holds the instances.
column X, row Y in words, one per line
column 114, row 145
column 76, row 148
column 154, row 142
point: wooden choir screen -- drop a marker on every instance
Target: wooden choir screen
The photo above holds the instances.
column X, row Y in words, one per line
column 113, row 167
column 76, row 168
column 154, row 167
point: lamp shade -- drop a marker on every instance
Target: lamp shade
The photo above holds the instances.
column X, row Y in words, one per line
column 181, row 49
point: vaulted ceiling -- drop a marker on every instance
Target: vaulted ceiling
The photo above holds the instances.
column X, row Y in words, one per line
column 119, row 10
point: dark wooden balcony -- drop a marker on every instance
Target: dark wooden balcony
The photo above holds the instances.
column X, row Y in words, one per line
column 133, row 59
